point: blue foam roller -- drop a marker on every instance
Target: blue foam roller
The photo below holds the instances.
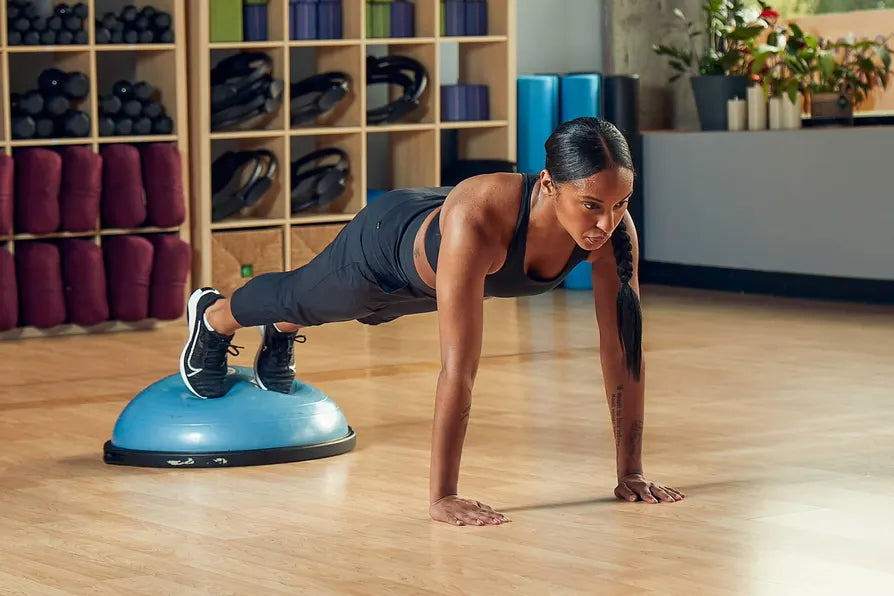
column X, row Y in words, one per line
column 477, row 102
column 579, row 278
column 454, row 17
column 330, row 19
column 304, row 20
column 254, row 22
column 581, row 95
column 538, row 117
column 475, row 18
column 453, row 105
column 165, row 425
column 402, row 19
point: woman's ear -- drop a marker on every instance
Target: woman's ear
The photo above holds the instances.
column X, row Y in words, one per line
column 547, row 185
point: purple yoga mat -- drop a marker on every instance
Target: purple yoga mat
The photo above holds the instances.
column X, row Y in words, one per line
column 402, row 19
column 329, row 19
column 303, row 20
column 254, row 22
column 453, row 104
column 454, row 17
column 477, row 102
column 475, row 18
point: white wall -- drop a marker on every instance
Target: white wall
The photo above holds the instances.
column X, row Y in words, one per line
column 812, row 201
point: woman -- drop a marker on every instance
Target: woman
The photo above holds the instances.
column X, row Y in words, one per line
column 421, row 250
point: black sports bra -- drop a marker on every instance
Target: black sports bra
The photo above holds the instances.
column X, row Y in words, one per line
column 510, row 280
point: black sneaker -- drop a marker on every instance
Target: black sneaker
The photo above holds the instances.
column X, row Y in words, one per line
column 275, row 360
column 203, row 362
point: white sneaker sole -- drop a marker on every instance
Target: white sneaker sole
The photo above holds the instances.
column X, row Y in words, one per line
column 191, row 307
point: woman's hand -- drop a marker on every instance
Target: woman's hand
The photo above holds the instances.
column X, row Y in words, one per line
column 635, row 487
column 464, row 512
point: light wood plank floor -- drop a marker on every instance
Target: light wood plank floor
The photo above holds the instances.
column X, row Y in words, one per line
column 776, row 417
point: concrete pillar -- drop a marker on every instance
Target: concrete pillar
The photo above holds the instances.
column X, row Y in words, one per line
column 630, row 28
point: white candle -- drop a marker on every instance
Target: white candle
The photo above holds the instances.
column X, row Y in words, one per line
column 776, row 113
column 736, row 114
column 757, row 108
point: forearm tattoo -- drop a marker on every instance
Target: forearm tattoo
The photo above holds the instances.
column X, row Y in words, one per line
column 615, row 407
column 636, row 443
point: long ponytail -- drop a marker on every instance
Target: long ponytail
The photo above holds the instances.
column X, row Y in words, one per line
column 630, row 318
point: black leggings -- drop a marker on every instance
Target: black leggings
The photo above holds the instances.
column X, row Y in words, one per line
column 366, row 274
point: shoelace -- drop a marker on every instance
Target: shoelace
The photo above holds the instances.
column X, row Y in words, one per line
column 217, row 347
column 283, row 349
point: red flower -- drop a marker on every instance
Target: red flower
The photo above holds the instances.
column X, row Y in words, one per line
column 769, row 15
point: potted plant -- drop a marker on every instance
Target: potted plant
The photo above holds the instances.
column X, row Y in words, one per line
column 835, row 76
column 783, row 64
column 719, row 64
column 845, row 73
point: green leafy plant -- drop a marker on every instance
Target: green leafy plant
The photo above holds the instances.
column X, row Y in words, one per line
column 725, row 42
column 792, row 61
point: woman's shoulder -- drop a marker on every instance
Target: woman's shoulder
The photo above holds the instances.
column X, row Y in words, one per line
column 487, row 195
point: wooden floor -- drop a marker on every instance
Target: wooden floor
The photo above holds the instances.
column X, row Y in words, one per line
column 775, row 417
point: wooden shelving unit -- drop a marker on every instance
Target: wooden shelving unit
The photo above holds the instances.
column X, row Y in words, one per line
column 163, row 65
column 407, row 153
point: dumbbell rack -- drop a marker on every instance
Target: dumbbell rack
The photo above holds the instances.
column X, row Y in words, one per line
column 395, row 155
column 164, row 65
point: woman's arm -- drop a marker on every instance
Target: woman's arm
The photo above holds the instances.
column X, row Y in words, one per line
column 466, row 254
column 624, row 393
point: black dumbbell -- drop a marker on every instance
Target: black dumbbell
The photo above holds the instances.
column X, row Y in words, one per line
column 110, row 105
column 142, row 126
column 148, row 12
column 131, row 36
column 45, row 128
column 64, row 37
column 75, row 123
column 12, row 12
column 73, row 23
column 132, row 108
column 123, row 126
column 117, row 36
column 80, row 9
column 103, row 35
column 123, row 88
column 56, row 105
column 54, row 23
column 147, row 36
column 14, row 38
column 81, row 38
column 29, row 10
column 23, row 127
column 143, row 91
column 163, row 125
column 21, row 24
column 31, row 38
column 152, row 110
column 39, row 24
column 74, row 85
column 48, row 38
column 63, row 10
column 30, row 103
column 129, row 13
column 106, row 127
column 165, row 36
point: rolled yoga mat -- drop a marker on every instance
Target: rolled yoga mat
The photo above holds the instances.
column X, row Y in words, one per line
column 538, row 117
column 303, row 20
column 581, row 96
column 475, row 18
column 330, row 19
column 453, row 105
column 454, row 17
column 477, row 102
column 254, row 20
column 402, row 19
column 622, row 104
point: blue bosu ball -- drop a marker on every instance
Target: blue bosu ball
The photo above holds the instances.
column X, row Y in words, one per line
column 165, row 425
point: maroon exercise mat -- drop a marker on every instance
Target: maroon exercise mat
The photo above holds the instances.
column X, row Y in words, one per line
column 84, row 276
column 123, row 195
column 163, row 181
column 7, row 193
column 170, row 270
column 128, row 276
column 41, row 295
column 9, row 293
column 81, row 191
column 38, row 177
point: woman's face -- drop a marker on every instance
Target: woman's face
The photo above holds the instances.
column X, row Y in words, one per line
column 591, row 208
